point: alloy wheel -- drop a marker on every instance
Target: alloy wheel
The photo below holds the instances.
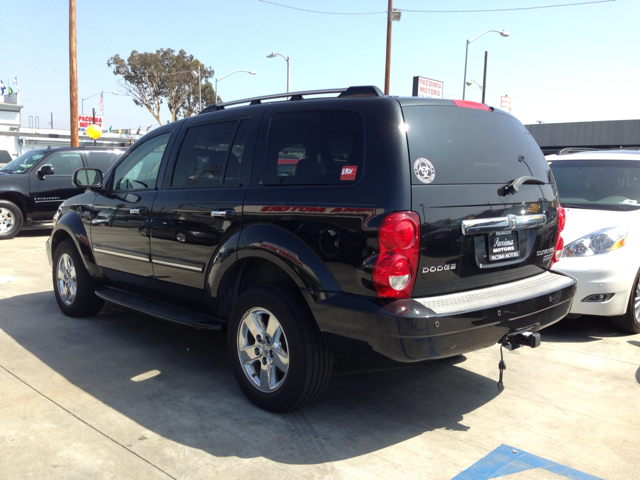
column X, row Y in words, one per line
column 67, row 281
column 263, row 350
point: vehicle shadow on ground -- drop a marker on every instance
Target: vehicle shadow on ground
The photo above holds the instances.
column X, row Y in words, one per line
column 195, row 401
column 37, row 231
column 636, row 344
column 587, row 328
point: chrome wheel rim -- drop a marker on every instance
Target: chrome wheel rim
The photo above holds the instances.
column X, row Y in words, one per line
column 263, row 350
column 66, row 279
column 636, row 303
column 7, row 220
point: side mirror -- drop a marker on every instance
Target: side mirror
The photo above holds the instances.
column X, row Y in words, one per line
column 87, row 177
column 44, row 171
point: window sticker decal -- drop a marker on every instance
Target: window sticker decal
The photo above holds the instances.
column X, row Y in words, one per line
column 348, row 172
column 424, row 170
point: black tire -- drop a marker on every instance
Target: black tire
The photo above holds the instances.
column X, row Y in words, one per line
column 11, row 219
column 630, row 321
column 73, row 286
column 294, row 354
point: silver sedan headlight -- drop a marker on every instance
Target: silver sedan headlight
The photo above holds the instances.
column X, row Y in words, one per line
column 597, row 243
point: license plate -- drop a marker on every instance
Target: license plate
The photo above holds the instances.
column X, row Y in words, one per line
column 503, row 246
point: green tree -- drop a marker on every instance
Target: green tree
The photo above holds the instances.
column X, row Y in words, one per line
column 164, row 76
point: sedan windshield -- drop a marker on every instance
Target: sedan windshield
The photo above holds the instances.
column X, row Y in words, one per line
column 598, row 184
column 23, row 163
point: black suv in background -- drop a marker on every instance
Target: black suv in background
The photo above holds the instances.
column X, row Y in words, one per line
column 410, row 228
column 33, row 186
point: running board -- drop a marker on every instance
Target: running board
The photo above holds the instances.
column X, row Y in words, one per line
column 158, row 309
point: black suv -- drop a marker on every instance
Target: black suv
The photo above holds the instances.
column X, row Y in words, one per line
column 34, row 184
column 412, row 228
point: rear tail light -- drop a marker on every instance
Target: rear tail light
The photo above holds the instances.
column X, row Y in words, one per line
column 399, row 241
column 557, row 254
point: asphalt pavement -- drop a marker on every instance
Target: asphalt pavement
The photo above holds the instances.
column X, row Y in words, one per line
column 121, row 395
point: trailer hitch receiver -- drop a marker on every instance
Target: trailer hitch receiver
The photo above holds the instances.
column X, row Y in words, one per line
column 511, row 341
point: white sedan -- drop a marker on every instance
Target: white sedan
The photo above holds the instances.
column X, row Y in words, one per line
column 600, row 192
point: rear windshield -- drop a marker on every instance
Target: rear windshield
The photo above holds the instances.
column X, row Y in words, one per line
column 455, row 145
column 598, row 184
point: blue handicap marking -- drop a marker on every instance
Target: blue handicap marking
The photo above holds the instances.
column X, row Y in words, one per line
column 506, row 460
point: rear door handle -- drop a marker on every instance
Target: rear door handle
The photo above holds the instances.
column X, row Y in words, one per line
column 139, row 211
column 229, row 213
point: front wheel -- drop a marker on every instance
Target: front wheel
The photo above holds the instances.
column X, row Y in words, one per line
column 73, row 286
column 11, row 219
column 630, row 321
column 277, row 352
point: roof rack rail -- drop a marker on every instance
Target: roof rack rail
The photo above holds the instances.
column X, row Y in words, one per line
column 569, row 150
column 364, row 91
column 258, row 100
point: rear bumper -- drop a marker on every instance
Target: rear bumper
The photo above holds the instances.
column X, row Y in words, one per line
column 436, row 327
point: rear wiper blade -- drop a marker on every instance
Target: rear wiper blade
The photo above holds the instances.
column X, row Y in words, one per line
column 514, row 185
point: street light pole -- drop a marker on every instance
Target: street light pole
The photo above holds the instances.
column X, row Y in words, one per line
column 90, row 96
column 273, row 55
column 250, row 72
column 502, row 33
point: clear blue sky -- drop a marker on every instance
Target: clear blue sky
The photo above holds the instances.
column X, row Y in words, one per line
column 571, row 63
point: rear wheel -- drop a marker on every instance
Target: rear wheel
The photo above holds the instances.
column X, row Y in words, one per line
column 73, row 286
column 11, row 219
column 277, row 352
column 630, row 321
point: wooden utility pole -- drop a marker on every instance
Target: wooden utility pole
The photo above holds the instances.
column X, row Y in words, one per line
column 73, row 75
column 387, row 68
column 484, row 76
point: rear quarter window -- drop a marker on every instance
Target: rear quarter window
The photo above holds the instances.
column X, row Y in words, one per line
column 455, row 145
column 324, row 147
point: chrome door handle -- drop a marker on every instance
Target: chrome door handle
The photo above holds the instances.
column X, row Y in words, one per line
column 139, row 211
column 228, row 214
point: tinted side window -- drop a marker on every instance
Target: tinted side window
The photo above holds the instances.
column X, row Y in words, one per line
column 103, row 160
column 315, row 148
column 64, row 163
column 139, row 170
column 203, row 155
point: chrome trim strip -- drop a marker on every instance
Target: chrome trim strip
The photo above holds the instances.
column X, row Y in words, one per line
column 178, row 265
column 492, row 297
column 123, row 255
column 496, row 224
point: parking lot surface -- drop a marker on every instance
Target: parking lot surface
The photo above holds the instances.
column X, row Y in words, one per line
column 121, row 395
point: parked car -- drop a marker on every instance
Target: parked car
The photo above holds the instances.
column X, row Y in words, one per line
column 297, row 225
column 33, row 186
column 600, row 192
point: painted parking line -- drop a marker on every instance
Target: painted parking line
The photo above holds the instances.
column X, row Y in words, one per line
column 506, row 460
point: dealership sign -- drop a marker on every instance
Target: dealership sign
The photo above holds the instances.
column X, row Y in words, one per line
column 85, row 120
column 428, row 88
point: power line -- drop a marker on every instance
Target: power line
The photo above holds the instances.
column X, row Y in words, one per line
column 94, row 74
column 440, row 11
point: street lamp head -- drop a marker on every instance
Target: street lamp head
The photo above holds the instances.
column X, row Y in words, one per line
column 504, row 33
column 469, row 83
column 273, row 55
column 253, row 72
